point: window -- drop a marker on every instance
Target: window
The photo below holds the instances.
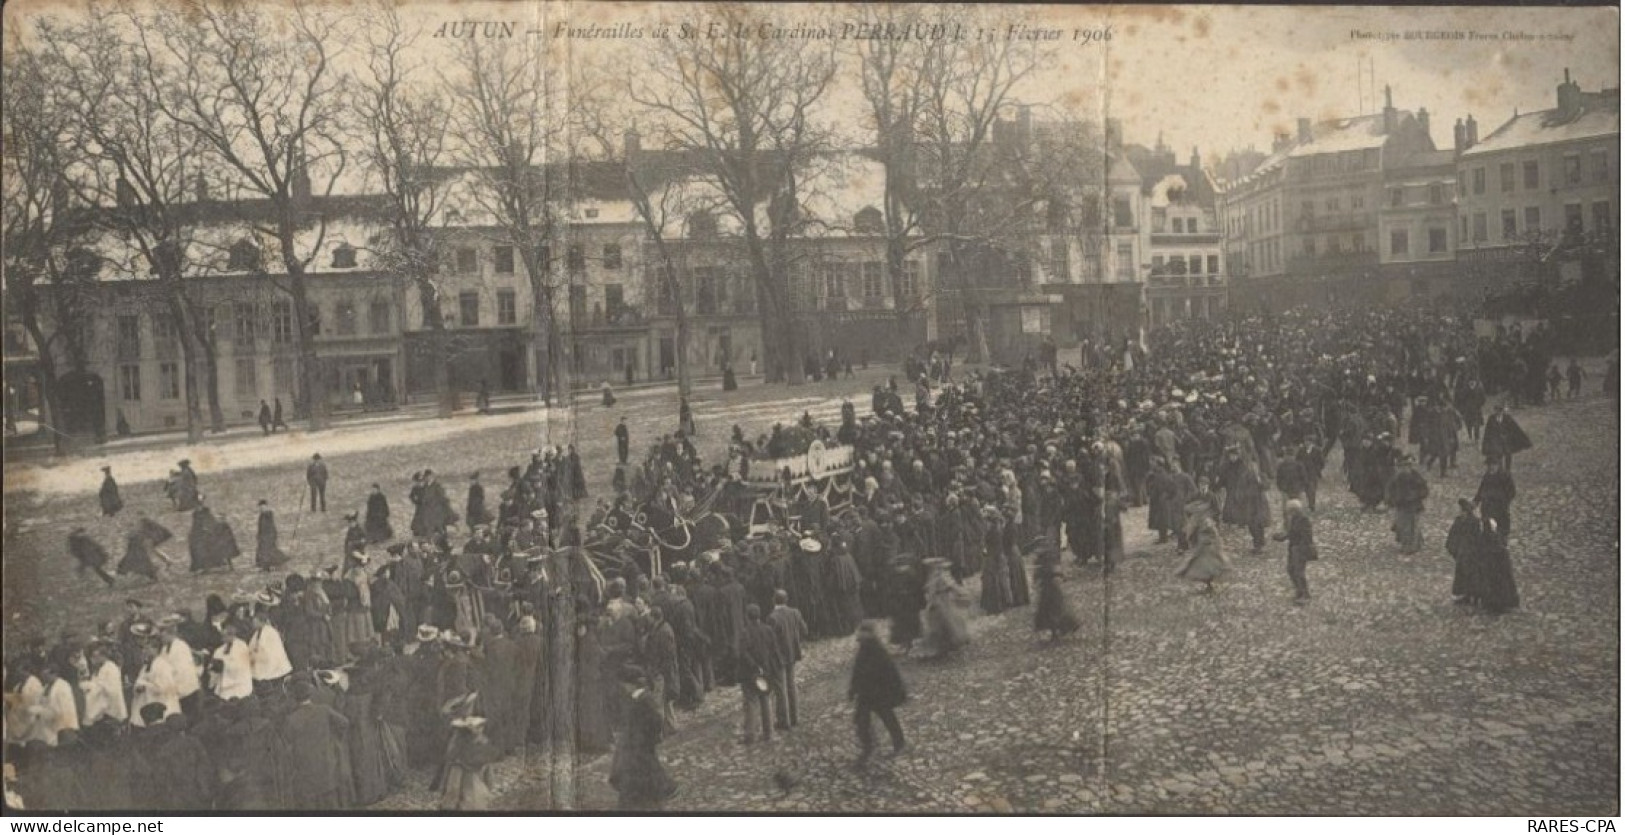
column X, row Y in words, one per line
column 343, row 256
column 578, row 304
column 169, row 381
column 1438, row 240
column 1478, row 181
column 1481, row 230
column 467, row 260
column 244, row 317
column 378, row 317
column 833, row 284
column 1509, row 224
column 1599, row 166
column 282, row 323
column 1509, row 174
column 129, row 337
column 244, row 256
column 1125, row 262
column 507, row 308
column 706, row 296
column 1396, row 197
column 592, row 213
column 1571, row 169
column 1436, row 193
column 1060, row 259
column 1531, row 174
column 575, row 258
column 504, row 260
column 1399, row 242
column 315, row 323
column 1357, row 201
column 1531, row 219
column 612, row 256
column 164, row 334
column 1123, row 213
column 615, row 299
column 282, row 374
column 245, row 379
column 1309, row 247
column 702, row 225
column 1179, row 224
column 468, row 308
column 1573, row 218
column 1359, row 242
column 1308, row 208
column 346, row 316
column 1602, row 216
column 129, row 383
column 1213, row 265
column 910, row 283
column 1156, row 263
column 874, row 282
column 1332, row 204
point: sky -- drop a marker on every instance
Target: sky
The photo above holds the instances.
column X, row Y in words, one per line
column 1212, row 77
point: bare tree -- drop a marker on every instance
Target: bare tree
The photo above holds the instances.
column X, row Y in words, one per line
column 402, row 122
column 744, row 108
column 506, row 122
column 260, row 91
column 138, row 167
column 42, row 285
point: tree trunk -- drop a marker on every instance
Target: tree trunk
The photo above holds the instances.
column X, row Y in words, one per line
column 561, row 752
column 194, row 411
column 446, row 404
column 51, row 398
column 211, row 386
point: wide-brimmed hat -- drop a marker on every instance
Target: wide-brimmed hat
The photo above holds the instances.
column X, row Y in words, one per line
column 427, row 633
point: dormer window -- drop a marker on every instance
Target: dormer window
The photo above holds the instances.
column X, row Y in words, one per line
column 869, row 221
column 592, row 213
column 244, row 257
column 343, row 256
column 701, row 225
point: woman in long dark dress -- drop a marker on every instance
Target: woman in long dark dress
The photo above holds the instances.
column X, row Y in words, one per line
column 1497, row 591
column 995, row 572
column 266, row 553
column 211, row 544
column 907, row 601
column 1020, row 591
column 141, row 546
column 1462, row 545
column 636, row 772
column 377, row 523
column 1053, row 614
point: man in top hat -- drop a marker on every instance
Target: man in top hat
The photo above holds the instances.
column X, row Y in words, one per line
column 623, row 441
column 316, row 478
column 109, row 497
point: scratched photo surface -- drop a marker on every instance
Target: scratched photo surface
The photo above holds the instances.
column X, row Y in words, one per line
column 418, row 405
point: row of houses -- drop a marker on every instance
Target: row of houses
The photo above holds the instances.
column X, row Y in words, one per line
column 1368, row 208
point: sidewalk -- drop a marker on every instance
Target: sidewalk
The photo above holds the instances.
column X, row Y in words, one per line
column 38, row 449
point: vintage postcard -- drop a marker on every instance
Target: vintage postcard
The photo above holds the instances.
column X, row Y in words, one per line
column 817, row 408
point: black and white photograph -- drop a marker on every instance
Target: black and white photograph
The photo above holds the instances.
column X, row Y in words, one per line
column 570, row 406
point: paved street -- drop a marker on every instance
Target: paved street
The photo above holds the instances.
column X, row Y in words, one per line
column 1378, row 697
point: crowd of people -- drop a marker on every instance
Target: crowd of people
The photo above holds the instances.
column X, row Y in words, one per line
column 537, row 624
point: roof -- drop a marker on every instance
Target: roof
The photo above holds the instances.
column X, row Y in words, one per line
column 1424, row 159
column 1596, row 119
column 1335, row 136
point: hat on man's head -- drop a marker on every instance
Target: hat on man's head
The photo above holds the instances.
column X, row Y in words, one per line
column 427, row 633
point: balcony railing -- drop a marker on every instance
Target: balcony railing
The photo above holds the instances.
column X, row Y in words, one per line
column 1335, row 223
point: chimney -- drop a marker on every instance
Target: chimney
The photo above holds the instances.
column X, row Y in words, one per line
column 1390, row 116
column 633, row 143
column 1305, row 134
column 1114, row 134
column 1422, row 118
column 1024, row 124
column 202, row 188
column 124, row 194
column 1196, row 158
column 300, row 185
column 1461, row 136
column 1568, row 95
column 1281, row 141
column 1472, row 131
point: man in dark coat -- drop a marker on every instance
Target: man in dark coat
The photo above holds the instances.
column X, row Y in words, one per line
column 315, row 738
column 876, row 690
column 789, row 629
column 186, row 492
column 1503, row 438
column 1496, row 491
column 316, row 479
column 90, row 555
column 434, row 513
column 110, row 500
column 276, row 417
column 623, row 441
column 211, row 543
column 757, row 663
column 267, row 553
column 377, row 524
column 474, row 512
column 1462, row 545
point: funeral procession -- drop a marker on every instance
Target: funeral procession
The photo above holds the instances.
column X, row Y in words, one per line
column 404, row 414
